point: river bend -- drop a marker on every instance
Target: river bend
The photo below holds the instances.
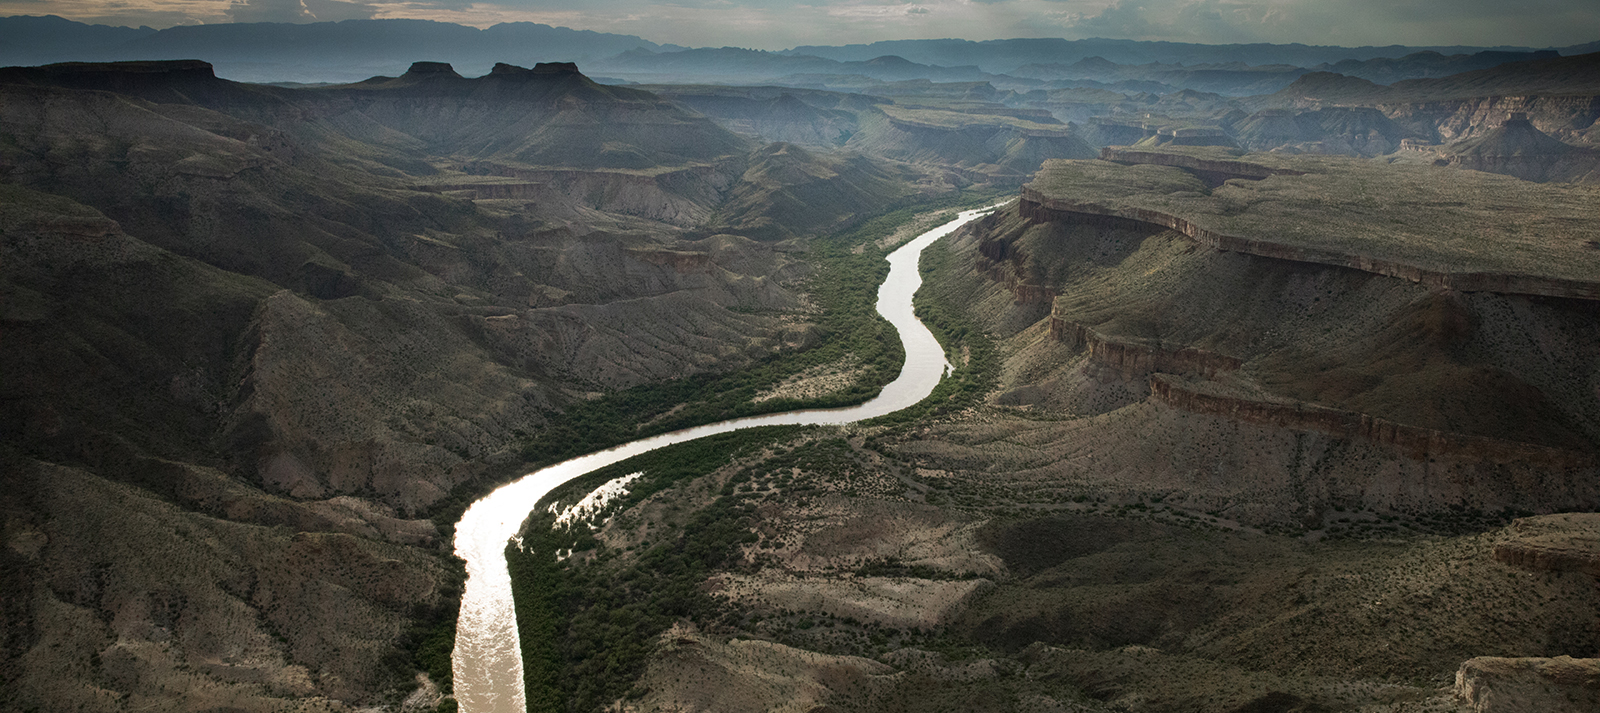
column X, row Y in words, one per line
column 488, row 661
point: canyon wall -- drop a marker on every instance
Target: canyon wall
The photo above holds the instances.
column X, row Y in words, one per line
column 1040, row 207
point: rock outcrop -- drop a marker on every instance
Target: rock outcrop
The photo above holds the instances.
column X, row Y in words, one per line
column 1568, row 542
column 1044, row 205
column 1517, row 148
column 1040, row 207
column 1423, row 444
column 1273, row 388
column 1549, row 685
column 1132, row 360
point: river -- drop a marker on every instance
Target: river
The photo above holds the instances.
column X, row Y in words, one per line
column 488, row 661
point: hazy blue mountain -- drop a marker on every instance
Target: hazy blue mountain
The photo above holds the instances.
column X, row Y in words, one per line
column 1005, row 55
column 1231, row 78
column 1423, row 65
column 355, row 49
column 41, row 40
column 1577, row 76
column 1584, row 48
column 316, row 52
column 746, row 65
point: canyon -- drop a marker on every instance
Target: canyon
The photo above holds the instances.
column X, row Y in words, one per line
column 1272, row 402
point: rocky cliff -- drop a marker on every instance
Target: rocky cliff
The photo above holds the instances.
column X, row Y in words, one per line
column 1517, row 148
column 1269, row 383
column 1502, row 685
column 1315, row 244
column 1038, row 206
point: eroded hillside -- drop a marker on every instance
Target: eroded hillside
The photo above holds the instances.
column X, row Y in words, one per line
column 256, row 336
column 1205, row 450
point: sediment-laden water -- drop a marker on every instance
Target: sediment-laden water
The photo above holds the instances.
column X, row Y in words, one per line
column 488, row 661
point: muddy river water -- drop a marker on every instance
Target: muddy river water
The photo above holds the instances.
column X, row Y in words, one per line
column 487, row 661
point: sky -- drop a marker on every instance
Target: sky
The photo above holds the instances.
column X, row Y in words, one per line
column 774, row 24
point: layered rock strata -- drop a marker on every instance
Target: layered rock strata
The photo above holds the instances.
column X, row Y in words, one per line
column 1040, row 207
column 1513, row 685
column 1569, row 542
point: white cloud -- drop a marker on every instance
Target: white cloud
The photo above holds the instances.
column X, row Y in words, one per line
column 298, row 11
column 269, row 11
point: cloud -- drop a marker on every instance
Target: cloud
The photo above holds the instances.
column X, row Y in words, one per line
column 917, row 10
column 269, row 11
column 1211, row 21
column 298, row 11
column 335, row 11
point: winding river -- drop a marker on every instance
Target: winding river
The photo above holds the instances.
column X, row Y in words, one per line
column 488, row 661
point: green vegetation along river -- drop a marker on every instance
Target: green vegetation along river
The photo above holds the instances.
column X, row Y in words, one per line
column 488, row 661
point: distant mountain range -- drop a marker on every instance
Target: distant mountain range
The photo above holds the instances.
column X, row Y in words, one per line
column 1002, row 56
column 353, row 50
column 1578, row 75
column 346, row 51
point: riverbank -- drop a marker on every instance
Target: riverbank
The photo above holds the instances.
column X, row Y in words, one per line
column 488, row 672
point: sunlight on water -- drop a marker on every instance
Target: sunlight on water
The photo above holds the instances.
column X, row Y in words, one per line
column 487, row 661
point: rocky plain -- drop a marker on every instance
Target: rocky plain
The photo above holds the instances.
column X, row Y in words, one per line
column 1284, row 402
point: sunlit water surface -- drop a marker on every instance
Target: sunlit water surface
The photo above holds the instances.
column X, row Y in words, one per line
column 487, row 661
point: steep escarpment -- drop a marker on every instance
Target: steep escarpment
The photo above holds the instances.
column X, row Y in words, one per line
column 1569, row 117
column 1160, row 402
column 1329, row 130
column 1287, row 381
column 1319, row 215
column 1517, row 148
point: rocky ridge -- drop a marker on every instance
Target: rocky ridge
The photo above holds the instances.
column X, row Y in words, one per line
column 1044, row 202
column 1125, row 319
column 243, row 335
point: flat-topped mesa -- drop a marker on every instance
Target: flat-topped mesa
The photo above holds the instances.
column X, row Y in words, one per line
column 432, row 69
column 1440, row 227
column 128, row 77
column 503, row 70
column 1205, row 168
column 188, row 68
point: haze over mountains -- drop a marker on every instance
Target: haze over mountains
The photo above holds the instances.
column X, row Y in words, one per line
column 355, row 49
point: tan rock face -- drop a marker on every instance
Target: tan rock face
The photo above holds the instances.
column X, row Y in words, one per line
column 1231, row 377
column 1555, row 685
column 1568, row 542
